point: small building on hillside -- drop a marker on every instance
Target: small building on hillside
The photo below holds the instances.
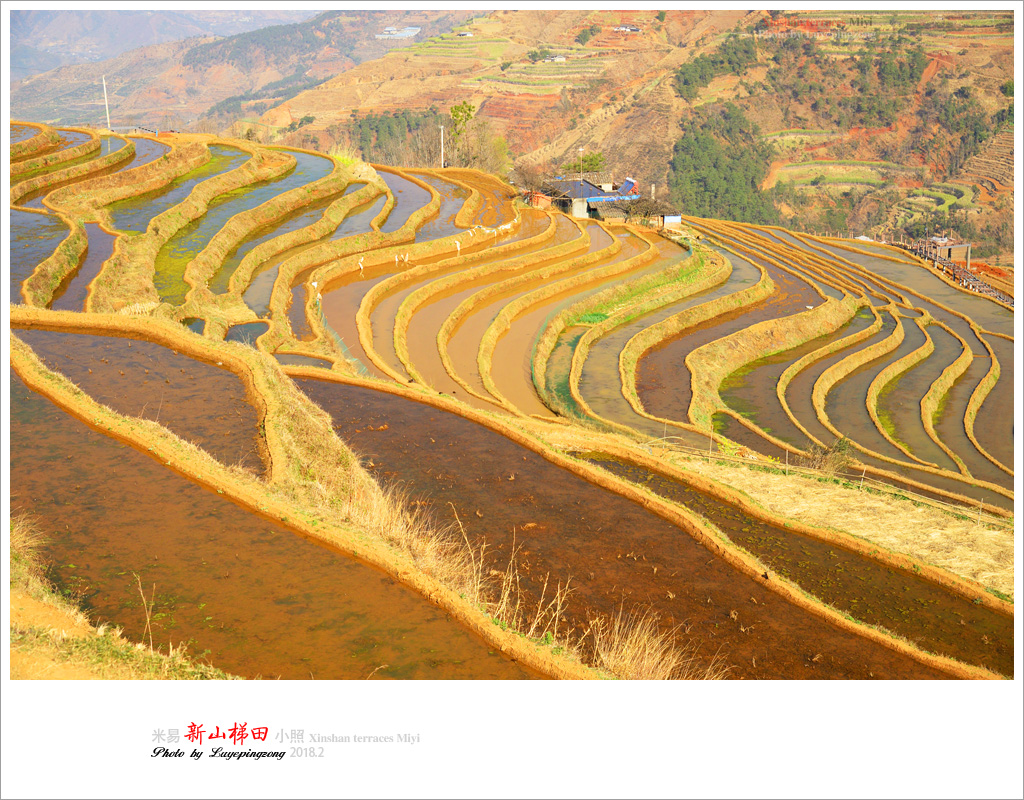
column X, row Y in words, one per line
column 585, row 199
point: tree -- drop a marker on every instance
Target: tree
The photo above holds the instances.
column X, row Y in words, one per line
column 461, row 116
column 636, row 208
column 592, row 162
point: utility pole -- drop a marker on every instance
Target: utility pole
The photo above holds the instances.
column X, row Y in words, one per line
column 106, row 105
column 442, row 147
column 581, row 173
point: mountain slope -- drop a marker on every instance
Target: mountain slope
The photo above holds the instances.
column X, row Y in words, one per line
column 172, row 84
column 43, row 40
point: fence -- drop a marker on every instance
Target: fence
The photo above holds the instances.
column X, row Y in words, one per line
column 962, row 276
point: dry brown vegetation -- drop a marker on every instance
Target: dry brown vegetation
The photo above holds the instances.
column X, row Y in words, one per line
column 958, row 544
column 316, row 484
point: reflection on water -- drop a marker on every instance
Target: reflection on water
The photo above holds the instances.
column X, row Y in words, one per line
column 615, row 551
column 135, row 213
column 246, row 333
column 254, row 597
column 938, row 620
column 143, row 379
column 33, row 239
column 73, row 291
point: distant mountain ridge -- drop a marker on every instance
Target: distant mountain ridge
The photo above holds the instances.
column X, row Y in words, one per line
column 174, row 83
column 44, row 40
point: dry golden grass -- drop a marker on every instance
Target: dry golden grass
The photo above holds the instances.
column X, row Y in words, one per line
column 961, row 546
column 635, row 647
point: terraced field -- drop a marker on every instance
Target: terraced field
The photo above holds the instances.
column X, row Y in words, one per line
column 587, row 423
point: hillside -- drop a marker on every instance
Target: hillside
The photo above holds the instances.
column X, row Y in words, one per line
column 876, row 125
column 610, row 94
column 44, row 40
column 172, row 84
column 866, row 127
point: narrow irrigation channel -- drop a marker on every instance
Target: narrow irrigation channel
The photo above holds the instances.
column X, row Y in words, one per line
column 73, row 291
column 616, row 552
column 254, row 597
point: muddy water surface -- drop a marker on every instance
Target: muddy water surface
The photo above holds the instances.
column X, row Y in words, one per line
column 255, row 597
column 261, row 286
column 73, row 291
column 465, row 340
column 556, row 376
column 994, row 426
column 247, row 333
column 846, row 402
column 752, row 391
column 408, row 198
column 950, row 426
column 384, row 312
column 798, row 396
column 615, row 551
column 512, row 360
column 20, row 133
column 356, row 222
column 453, row 197
column 195, row 324
column 294, row 359
column 986, row 313
column 142, row 379
column 663, row 379
column 601, row 383
column 900, row 400
column 146, row 150
column 308, row 169
column 135, row 213
column 34, row 237
column 108, row 144
column 190, row 240
column 938, row 620
column 68, row 139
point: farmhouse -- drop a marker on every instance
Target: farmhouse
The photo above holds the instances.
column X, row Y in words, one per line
column 391, row 32
column 582, row 198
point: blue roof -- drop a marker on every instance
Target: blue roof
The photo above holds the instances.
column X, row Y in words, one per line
column 591, row 193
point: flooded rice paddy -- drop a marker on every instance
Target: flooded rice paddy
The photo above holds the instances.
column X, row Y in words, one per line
column 67, row 139
column 308, row 169
column 254, row 597
column 147, row 380
column 188, row 242
column 261, row 286
column 146, row 150
column 663, row 379
column 937, row 620
column 34, row 237
column 74, row 289
column 247, row 333
column 19, row 133
column 409, row 197
column 135, row 213
column 615, row 551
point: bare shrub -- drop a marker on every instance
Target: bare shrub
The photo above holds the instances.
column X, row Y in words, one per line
column 832, row 460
